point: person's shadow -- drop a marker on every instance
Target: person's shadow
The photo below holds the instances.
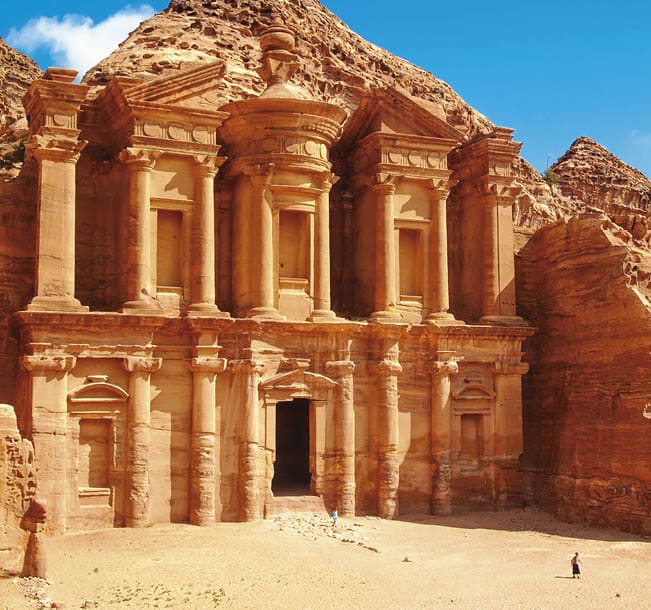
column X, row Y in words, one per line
column 570, row 577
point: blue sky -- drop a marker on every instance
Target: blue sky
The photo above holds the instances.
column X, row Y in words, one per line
column 552, row 70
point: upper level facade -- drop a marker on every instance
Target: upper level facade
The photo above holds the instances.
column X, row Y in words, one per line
column 157, row 198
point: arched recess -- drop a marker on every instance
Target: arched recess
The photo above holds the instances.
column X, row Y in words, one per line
column 297, row 385
column 97, row 433
column 473, row 427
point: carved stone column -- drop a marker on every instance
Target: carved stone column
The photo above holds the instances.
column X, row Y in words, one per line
column 508, row 420
column 441, row 432
column 203, row 238
column 55, row 256
column 251, row 502
column 388, row 475
column 140, row 369
column 386, row 289
column 49, row 392
column 204, row 474
column 322, row 302
column 261, row 254
column 439, row 293
column 139, row 291
column 344, row 423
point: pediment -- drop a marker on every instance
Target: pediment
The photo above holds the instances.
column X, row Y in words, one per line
column 474, row 391
column 100, row 391
column 295, row 378
column 389, row 111
column 193, row 88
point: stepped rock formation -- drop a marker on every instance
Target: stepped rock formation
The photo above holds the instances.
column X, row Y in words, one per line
column 17, row 71
column 586, row 285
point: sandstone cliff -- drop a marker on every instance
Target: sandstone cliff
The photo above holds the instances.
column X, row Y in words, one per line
column 588, row 177
column 17, row 71
column 585, row 283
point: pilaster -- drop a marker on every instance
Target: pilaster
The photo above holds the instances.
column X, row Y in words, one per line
column 388, row 477
column 48, row 375
column 344, row 422
column 441, row 432
column 141, row 162
column 204, row 470
column 251, row 501
column 137, row 498
column 203, row 237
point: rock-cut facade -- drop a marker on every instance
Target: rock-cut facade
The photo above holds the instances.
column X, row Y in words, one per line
column 272, row 296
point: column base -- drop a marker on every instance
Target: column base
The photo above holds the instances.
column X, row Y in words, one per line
column 503, row 321
column 386, row 316
column 323, row 315
column 142, row 307
column 207, row 309
column 264, row 313
column 443, row 318
column 56, row 303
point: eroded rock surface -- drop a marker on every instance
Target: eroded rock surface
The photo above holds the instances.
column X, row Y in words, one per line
column 17, row 489
column 17, row 71
column 586, row 285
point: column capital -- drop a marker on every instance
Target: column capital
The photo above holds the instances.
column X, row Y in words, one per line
column 325, row 180
column 511, row 365
column 208, row 366
column 384, row 183
column 260, row 174
column 49, row 363
column 140, row 158
column 207, row 166
column 444, row 368
column 385, row 368
column 246, row 367
column 339, row 368
column 142, row 364
column 55, row 148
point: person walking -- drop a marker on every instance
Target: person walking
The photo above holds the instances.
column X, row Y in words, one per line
column 576, row 570
column 335, row 516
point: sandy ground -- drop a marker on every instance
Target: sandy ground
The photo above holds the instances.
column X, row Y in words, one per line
column 515, row 559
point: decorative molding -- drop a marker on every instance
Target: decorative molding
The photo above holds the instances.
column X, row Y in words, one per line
column 246, row 367
column 49, row 363
column 140, row 158
column 340, row 368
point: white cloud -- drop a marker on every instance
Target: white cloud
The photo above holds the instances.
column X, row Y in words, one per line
column 75, row 41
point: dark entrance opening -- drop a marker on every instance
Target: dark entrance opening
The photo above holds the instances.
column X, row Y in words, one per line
column 292, row 467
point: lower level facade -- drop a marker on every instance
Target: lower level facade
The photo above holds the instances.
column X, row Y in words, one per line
column 140, row 419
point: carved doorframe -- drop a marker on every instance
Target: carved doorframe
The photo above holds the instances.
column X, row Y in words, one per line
column 285, row 387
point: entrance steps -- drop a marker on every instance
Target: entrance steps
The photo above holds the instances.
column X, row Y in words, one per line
column 298, row 504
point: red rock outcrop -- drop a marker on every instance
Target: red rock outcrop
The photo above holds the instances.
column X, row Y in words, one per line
column 585, row 284
column 17, row 71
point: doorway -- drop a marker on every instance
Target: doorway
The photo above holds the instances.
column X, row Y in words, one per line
column 292, row 468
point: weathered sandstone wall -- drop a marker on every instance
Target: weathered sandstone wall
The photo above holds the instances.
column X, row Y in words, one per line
column 17, row 488
column 585, row 284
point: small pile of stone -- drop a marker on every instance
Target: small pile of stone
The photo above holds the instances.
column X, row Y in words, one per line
column 35, row 590
column 319, row 527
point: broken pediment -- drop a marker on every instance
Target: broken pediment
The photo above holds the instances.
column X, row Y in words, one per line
column 190, row 88
column 389, row 111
